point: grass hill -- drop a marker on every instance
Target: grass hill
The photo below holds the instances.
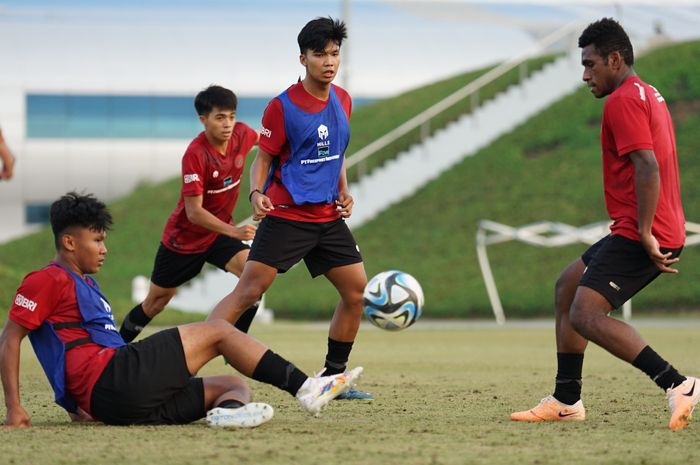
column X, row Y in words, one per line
column 140, row 216
column 549, row 168
column 546, row 169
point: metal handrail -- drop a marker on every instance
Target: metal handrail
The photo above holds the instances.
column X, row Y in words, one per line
column 474, row 86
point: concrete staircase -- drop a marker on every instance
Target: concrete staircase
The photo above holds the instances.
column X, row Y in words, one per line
column 410, row 170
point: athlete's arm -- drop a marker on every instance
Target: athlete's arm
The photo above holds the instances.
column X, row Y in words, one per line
column 647, row 186
column 345, row 201
column 10, row 344
column 8, row 161
column 259, row 171
column 200, row 216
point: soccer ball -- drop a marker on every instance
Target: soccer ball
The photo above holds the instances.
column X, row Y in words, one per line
column 393, row 300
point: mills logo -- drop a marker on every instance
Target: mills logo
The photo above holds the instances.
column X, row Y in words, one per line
column 323, row 132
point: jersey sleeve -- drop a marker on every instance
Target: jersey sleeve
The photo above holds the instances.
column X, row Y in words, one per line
column 247, row 136
column 628, row 119
column 272, row 134
column 193, row 172
column 35, row 300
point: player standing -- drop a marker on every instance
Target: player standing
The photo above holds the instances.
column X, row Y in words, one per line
column 299, row 189
column 642, row 195
column 201, row 228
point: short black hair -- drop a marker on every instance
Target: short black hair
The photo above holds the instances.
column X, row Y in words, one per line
column 215, row 96
column 608, row 36
column 318, row 32
column 82, row 210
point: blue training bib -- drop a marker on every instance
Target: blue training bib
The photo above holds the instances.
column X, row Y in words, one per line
column 317, row 143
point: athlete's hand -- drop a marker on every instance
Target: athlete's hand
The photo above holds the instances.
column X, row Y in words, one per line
column 81, row 416
column 17, row 417
column 344, row 204
column 662, row 261
column 243, row 233
column 261, row 205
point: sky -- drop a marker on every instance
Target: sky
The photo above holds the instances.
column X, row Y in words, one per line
column 181, row 46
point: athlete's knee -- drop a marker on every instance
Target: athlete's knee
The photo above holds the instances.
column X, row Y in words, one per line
column 250, row 292
column 582, row 319
column 220, row 329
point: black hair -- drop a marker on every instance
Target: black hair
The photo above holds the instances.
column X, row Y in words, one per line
column 75, row 209
column 607, row 36
column 215, row 96
column 318, row 32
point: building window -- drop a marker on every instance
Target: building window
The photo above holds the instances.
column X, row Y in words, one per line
column 37, row 213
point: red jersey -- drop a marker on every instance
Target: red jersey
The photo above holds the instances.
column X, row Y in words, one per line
column 273, row 140
column 635, row 117
column 49, row 295
column 214, row 176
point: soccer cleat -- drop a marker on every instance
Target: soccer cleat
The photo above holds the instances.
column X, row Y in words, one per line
column 318, row 391
column 249, row 416
column 354, row 394
column 550, row 409
column 681, row 401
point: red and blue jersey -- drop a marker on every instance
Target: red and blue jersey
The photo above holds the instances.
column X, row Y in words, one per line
column 275, row 141
column 48, row 297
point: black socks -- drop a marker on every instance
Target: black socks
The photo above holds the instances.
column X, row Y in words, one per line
column 273, row 369
column 568, row 383
column 246, row 318
column 658, row 369
column 133, row 323
column 230, row 403
column 337, row 357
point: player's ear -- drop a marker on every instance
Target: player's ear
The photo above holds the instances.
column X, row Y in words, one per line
column 615, row 60
column 68, row 242
column 302, row 60
column 202, row 119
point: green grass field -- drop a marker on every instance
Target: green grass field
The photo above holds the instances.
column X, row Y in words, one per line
column 444, row 395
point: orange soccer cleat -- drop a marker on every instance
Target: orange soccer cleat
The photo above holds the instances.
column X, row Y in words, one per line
column 550, row 409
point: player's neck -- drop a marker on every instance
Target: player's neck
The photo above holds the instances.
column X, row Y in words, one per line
column 68, row 264
column 219, row 145
column 623, row 76
column 320, row 90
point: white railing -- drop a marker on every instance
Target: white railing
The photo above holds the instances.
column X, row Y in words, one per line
column 472, row 89
column 546, row 234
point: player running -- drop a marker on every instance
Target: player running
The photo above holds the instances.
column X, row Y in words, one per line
column 300, row 192
column 642, row 195
column 201, row 228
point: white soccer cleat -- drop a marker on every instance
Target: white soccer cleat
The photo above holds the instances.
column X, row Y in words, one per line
column 249, row 416
column 318, row 391
column 681, row 401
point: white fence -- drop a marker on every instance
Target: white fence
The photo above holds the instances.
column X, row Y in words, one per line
column 545, row 234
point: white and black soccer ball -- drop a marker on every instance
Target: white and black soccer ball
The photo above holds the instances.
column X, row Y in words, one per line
column 393, row 300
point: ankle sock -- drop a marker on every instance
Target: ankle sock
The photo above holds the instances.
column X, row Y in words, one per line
column 273, row 369
column 658, row 369
column 133, row 323
column 567, row 387
column 337, row 357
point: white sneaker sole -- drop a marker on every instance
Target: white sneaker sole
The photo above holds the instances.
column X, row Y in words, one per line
column 249, row 416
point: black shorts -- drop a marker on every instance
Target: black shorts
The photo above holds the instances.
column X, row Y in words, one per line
column 618, row 268
column 281, row 243
column 172, row 269
column 147, row 382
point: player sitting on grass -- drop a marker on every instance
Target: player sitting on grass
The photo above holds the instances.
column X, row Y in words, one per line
column 95, row 374
column 643, row 198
